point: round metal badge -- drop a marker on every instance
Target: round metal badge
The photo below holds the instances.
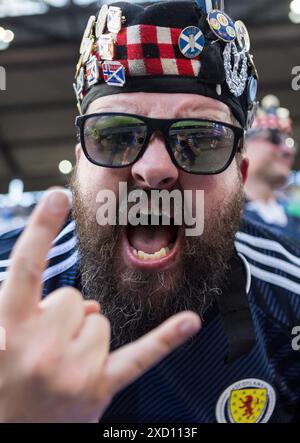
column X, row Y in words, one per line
column 191, row 42
column 226, row 31
column 250, row 400
column 242, row 35
column 252, row 90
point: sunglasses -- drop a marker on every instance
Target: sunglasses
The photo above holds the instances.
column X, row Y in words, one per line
column 278, row 138
column 196, row 146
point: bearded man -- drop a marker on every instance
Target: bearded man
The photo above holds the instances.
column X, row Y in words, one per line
column 165, row 92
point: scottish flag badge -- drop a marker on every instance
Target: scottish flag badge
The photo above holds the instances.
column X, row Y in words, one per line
column 114, row 73
column 191, row 42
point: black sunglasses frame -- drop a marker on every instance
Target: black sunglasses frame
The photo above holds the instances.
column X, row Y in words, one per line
column 162, row 126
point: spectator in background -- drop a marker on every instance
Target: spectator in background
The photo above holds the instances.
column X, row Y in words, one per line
column 271, row 151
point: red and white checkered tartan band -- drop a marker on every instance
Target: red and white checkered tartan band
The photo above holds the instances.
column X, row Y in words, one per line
column 146, row 50
column 272, row 122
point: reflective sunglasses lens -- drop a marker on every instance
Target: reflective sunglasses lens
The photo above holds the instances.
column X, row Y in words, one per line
column 114, row 140
column 201, row 147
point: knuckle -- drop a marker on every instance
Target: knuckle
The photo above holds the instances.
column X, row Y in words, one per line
column 165, row 344
column 139, row 364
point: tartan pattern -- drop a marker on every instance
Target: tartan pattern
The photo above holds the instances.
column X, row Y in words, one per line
column 270, row 121
column 153, row 50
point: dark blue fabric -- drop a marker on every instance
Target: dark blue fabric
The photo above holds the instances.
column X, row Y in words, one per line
column 186, row 386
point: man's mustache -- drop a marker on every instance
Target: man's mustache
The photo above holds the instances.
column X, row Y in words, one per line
column 152, row 207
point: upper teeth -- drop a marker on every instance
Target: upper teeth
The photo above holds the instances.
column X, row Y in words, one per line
column 145, row 256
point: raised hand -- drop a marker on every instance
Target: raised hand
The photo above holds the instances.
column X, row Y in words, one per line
column 57, row 366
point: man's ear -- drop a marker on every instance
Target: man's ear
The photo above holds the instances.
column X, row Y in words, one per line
column 78, row 152
column 244, row 167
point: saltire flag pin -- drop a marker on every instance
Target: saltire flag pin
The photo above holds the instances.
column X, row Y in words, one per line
column 92, row 71
column 114, row 73
column 106, row 47
column 191, row 42
column 114, row 19
column 221, row 25
column 101, row 21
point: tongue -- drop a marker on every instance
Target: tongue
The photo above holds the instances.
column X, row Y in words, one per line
column 150, row 239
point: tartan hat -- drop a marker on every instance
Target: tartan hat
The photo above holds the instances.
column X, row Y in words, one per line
column 168, row 46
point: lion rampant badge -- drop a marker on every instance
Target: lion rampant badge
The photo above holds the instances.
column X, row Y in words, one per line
column 247, row 401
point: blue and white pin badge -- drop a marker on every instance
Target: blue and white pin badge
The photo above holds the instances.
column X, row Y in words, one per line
column 222, row 25
column 191, row 42
column 114, row 73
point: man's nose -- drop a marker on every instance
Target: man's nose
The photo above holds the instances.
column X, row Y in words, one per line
column 155, row 169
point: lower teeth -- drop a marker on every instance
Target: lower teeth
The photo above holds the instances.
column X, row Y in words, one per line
column 157, row 255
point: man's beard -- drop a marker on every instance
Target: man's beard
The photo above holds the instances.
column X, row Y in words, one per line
column 135, row 302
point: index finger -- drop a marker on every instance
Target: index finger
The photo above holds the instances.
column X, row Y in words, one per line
column 130, row 362
column 22, row 288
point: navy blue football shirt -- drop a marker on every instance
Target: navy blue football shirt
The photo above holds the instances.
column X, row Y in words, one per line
column 276, row 216
column 197, row 383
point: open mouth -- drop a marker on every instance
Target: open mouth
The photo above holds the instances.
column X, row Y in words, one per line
column 153, row 246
